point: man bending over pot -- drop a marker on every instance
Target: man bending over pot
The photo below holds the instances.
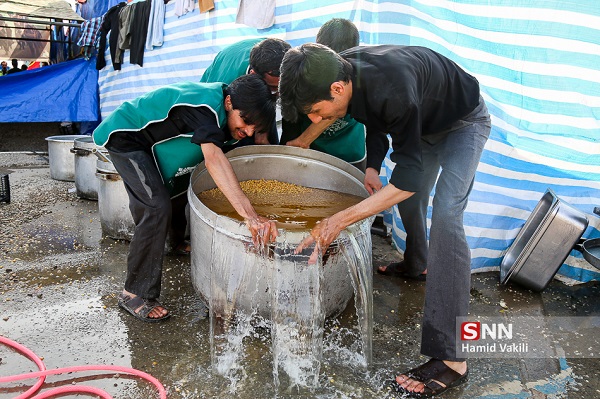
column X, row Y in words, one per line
column 154, row 142
column 436, row 117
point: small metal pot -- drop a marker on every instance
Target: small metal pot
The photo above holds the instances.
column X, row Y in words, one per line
column 113, row 203
column 62, row 161
column 86, row 183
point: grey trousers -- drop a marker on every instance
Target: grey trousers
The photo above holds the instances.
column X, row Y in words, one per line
column 150, row 205
column 447, row 258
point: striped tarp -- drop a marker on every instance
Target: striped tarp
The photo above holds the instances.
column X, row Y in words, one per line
column 538, row 63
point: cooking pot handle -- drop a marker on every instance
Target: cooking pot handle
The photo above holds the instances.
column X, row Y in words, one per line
column 100, row 156
column 579, row 245
column 81, row 152
column 108, row 176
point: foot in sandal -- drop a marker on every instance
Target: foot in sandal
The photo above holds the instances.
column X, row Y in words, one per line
column 432, row 378
column 148, row 310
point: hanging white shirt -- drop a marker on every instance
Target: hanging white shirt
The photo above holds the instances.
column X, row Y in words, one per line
column 182, row 7
column 258, row 14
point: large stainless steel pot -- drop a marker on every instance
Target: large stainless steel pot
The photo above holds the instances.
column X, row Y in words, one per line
column 113, row 203
column 62, row 161
column 213, row 233
column 86, row 183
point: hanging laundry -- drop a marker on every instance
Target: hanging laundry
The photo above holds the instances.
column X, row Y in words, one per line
column 110, row 22
column 182, row 7
column 89, row 36
column 258, row 14
column 156, row 24
column 206, row 5
column 139, row 31
column 124, row 40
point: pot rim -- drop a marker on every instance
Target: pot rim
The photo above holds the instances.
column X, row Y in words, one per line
column 65, row 138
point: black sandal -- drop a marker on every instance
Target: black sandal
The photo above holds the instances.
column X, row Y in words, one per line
column 184, row 248
column 436, row 376
column 398, row 269
column 132, row 303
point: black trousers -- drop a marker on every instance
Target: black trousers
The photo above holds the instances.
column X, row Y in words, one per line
column 150, row 206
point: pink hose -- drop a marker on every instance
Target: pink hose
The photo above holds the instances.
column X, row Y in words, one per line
column 68, row 389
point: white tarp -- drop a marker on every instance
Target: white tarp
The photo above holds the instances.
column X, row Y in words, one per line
column 39, row 9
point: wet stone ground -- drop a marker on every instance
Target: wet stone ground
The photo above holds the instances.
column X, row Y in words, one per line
column 58, row 283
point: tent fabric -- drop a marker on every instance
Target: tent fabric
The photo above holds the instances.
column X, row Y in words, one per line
column 538, row 65
column 55, row 9
column 57, row 93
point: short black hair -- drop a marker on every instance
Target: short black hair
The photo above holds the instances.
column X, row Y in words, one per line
column 338, row 34
column 266, row 56
column 307, row 73
column 252, row 97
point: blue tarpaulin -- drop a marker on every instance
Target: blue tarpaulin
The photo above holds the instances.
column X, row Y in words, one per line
column 65, row 92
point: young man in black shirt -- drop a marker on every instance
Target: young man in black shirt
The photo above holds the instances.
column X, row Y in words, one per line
column 341, row 137
column 434, row 113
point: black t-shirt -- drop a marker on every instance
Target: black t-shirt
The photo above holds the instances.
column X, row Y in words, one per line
column 13, row 70
column 409, row 92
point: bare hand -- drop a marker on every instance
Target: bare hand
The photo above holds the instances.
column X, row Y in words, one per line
column 372, row 181
column 263, row 230
column 323, row 235
column 297, row 143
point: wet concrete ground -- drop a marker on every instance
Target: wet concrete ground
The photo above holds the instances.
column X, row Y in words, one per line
column 59, row 278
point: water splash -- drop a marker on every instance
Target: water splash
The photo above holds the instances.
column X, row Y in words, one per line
column 232, row 281
column 296, row 304
column 298, row 318
column 358, row 254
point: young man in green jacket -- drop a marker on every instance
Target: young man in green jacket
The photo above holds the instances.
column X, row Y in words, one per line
column 154, row 142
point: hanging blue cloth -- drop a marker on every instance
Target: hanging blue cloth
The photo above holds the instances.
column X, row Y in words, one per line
column 101, row 7
column 41, row 95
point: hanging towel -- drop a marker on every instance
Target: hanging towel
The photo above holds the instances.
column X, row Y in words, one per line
column 258, row 14
column 206, row 5
column 156, row 24
column 182, row 7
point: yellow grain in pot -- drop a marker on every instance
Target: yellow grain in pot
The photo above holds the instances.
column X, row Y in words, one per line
column 293, row 207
